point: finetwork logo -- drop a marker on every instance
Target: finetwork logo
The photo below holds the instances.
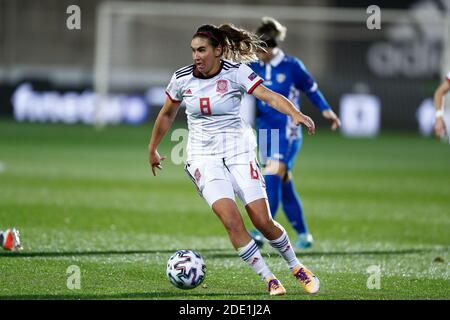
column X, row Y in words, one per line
column 414, row 44
column 73, row 107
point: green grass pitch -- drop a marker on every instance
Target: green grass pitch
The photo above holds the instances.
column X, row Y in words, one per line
column 87, row 198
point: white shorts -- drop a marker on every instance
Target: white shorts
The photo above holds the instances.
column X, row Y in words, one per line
column 218, row 178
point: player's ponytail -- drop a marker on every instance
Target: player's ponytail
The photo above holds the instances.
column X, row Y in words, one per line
column 238, row 45
column 271, row 31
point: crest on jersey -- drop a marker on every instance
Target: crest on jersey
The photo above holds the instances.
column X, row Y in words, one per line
column 281, row 77
column 222, row 86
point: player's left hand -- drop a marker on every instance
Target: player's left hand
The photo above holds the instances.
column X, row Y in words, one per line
column 333, row 118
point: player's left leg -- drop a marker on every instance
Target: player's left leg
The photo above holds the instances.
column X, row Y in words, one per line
column 279, row 240
column 249, row 186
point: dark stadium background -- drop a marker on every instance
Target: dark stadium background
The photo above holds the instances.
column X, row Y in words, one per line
column 34, row 46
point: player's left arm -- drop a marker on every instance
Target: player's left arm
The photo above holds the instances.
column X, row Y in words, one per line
column 283, row 105
column 305, row 82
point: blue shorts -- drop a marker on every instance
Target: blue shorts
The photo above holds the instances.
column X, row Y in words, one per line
column 288, row 149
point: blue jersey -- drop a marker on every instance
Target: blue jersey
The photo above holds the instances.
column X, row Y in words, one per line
column 287, row 76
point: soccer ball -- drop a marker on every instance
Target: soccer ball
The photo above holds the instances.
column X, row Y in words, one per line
column 186, row 269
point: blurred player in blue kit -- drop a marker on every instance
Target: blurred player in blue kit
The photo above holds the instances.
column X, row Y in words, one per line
column 288, row 76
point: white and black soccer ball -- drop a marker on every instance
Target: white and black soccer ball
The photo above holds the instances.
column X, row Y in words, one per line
column 186, row 269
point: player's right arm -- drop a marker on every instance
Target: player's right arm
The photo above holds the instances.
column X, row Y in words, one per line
column 439, row 126
column 284, row 105
column 162, row 124
column 251, row 82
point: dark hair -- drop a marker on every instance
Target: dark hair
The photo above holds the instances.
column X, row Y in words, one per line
column 271, row 31
column 238, row 45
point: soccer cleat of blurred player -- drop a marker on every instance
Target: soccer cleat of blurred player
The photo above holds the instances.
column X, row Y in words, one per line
column 279, row 139
column 10, row 240
column 439, row 126
column 304, row 241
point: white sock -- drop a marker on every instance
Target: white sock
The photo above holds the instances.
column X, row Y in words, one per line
column 284, row 247
column 251, row 254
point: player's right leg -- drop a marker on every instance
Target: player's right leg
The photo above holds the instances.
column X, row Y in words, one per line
column 10, row 240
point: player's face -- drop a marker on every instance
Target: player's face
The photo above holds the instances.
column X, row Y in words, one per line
column 206, row 57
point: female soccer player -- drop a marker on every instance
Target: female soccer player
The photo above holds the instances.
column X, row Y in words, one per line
column 221, row 146
column 10, row 240
column 439, row 125
column 287, row 76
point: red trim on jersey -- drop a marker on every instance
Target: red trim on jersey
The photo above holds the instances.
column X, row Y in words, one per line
column 448, row 79
column 172, row 99
column 255, row 85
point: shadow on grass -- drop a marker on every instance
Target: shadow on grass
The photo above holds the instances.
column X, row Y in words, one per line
column 210, row 253
column 50, row 254
column 343, row 253
column 144, row 295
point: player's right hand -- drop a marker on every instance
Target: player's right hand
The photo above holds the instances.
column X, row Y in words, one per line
column 155, row 160
column 300, row 118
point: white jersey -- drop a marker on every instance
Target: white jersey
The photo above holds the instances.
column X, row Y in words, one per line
column 212, row 107
column 448, row 76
